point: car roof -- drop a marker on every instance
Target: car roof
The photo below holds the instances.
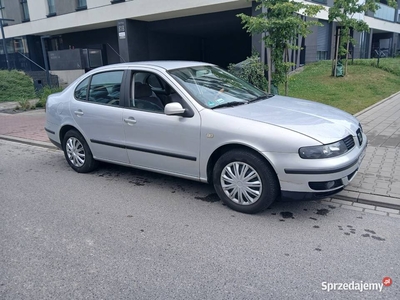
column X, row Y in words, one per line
column 164, row 64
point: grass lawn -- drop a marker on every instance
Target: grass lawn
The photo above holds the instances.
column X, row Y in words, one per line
column 15, row 86
column 389, row 64
column 363, row 86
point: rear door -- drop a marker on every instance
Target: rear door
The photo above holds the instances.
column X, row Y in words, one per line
column 97, row 111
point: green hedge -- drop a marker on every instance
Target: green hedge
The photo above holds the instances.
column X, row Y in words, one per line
column 15, row 86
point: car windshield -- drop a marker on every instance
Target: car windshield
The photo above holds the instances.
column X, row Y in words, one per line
column 213, row 87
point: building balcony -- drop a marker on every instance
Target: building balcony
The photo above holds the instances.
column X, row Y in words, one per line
column 385, row 12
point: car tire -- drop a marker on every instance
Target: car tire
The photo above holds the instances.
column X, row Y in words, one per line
column 245, row 182
column 77, row 152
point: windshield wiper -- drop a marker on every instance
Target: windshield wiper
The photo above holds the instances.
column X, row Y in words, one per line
column 229, row 104
column 261, row 98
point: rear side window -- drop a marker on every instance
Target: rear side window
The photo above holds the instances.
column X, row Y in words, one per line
column 81, row 90
column 102, row 88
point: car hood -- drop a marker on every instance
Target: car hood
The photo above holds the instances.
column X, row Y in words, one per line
column 321, row 122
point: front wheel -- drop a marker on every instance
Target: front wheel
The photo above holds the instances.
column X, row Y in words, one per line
column 245, row 182
column 77, row 152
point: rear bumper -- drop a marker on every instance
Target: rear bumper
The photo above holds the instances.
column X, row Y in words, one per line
column 58, row 145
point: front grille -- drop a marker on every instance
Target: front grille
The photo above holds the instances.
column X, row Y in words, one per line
column 349, row 141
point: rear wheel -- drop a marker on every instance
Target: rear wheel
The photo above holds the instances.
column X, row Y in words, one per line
column 77, row 152
column 245, row 182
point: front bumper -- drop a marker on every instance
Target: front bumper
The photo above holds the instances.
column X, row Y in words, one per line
column 316, row 178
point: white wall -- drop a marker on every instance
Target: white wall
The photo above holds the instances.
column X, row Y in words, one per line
column 382, row 25
column 38, row 9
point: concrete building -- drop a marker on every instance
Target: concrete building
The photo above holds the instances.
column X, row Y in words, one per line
column 81, row 34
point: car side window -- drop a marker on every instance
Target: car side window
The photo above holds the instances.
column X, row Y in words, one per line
column 81, row 90
column 142, row 95
column 150, row 92
column 154, row 82
column 105, row 88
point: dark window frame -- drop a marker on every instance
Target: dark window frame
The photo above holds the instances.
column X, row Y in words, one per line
column 81, row 5
column 2, row 12
column 24, row 10
column 52, row 9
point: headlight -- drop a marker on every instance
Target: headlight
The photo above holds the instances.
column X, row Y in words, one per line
column 324, row 151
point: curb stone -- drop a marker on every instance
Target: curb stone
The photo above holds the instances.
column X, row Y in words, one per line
column 28, row 142
column 351, row 204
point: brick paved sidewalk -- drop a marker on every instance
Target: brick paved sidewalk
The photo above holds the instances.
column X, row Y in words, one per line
column 378, row 180
column 27, row 125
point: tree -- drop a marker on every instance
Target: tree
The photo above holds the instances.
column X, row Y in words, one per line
column 282, row 25
column 251, row 70
column 344, row 12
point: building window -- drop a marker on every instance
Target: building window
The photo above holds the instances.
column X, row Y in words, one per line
column 322, row 55
column 3, row 13
column 1, row 9
column 116, row 1
column 81, row 5
column 323, row 36
column 52, row 8
column 20, row 45
column 24, row 10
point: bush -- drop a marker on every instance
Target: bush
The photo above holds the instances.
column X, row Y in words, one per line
column 251, row 70
column 46, row 92
column 15, row 86
column 24, row 104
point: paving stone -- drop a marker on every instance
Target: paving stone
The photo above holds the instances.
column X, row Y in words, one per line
column 362, row 205
column 369, row 180
column 367, row 187
column 381, row 191
column 385, row 174
column 389, row 210
column 375, row 212
column 394, row 195
column 341, row 201
column 378, row 199
column 381, row 185
column 394, row 189
column 348, row 194
column 352, row 207
column 394, row 216
column 364, row 191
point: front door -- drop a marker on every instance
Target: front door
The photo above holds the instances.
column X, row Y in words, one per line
column 156, row 141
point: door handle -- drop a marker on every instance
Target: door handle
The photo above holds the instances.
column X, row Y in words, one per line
column 78, row 112
column 130, row 121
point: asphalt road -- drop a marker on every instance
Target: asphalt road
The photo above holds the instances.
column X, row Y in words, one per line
column 120, row 233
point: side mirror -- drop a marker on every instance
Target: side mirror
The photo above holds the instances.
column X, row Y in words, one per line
column 174, row 109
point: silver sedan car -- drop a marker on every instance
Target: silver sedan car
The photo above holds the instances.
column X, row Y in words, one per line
column 196, row 121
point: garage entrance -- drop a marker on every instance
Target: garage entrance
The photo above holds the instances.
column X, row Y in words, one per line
column 216, row 38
